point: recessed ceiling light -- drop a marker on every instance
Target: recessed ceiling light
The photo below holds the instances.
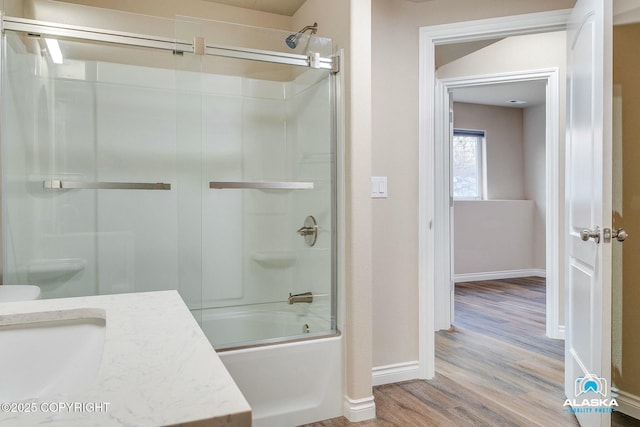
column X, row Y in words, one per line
column 516, row 101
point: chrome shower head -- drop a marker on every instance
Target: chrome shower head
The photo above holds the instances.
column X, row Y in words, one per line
column 292, row 39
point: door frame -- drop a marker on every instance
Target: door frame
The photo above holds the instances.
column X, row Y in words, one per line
column 443, row 310
column 428, row 193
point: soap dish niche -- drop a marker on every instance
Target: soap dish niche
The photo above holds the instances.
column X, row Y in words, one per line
column 275, row 259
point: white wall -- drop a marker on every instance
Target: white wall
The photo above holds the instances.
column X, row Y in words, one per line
column 488, row 236
column 535, row 178
column 504, row 146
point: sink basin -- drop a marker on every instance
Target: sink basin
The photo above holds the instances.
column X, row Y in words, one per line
column 49, row 353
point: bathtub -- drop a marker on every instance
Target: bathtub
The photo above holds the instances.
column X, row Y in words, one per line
column 289, row 383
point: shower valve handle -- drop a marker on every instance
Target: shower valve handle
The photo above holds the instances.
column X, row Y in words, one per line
column 307, row 231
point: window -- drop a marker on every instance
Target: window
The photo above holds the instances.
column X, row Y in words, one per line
column 467, row 164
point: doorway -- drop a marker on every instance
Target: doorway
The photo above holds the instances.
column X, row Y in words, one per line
column 434, row 204
column 499, row 179
column 518, row 83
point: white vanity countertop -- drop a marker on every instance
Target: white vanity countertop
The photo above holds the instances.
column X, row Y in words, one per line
column 157, row 368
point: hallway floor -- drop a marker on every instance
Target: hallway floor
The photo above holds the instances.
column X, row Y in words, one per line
column 494, row 367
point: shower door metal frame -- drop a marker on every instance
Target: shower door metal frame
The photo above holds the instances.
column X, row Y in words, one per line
column 37, row 28
column 65, row 31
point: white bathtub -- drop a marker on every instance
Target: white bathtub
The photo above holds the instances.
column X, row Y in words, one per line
column 286, row 384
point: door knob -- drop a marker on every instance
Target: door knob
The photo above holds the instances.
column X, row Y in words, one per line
column 620, row 234
column 591, row 234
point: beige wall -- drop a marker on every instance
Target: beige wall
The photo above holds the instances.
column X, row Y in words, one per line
column 504, row 146
column 534, row 123
column 481, row 227
column 483, row 236
column 395, row 37
column 626, row 60
column 349, row 24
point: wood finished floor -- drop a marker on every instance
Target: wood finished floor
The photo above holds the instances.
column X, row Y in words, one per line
column 495, row 367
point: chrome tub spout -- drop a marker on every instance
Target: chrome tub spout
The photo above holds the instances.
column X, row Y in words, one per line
column 305, row 297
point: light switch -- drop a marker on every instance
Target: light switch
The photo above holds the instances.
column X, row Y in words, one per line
column 378, row 187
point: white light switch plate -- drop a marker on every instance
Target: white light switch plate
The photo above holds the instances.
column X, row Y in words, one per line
column 378, row 187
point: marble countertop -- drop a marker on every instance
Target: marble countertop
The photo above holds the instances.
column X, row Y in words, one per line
column 157, row 368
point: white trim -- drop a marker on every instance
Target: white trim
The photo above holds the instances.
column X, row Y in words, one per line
column 356, row 410
column 426, row 240
column 508, row 26
column 553, row 257
column 429, row 38
column 395, row 373
column 496, row 275
column 629, row 404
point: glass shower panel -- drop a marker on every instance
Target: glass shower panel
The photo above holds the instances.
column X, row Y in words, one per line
column 130, row 169
column 275, row 134
column 49, row 238
column 93, row 207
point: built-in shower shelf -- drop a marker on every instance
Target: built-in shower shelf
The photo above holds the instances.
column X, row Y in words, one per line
column 48, row 269
column 275, row 259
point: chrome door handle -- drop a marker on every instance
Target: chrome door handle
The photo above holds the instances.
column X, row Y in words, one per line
column 589, row 234
column 619, row 234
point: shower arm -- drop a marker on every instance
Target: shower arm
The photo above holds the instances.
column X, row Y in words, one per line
column 313, row 28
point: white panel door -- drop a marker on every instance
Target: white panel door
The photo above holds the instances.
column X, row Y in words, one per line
column 588, row 174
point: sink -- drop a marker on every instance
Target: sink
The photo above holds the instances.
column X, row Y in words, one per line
column 50, row 353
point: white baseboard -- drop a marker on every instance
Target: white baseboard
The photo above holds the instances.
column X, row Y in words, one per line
column 495, row 275
column 629, row 404
column 356, row 410
column 558, row 334
column 395, row 373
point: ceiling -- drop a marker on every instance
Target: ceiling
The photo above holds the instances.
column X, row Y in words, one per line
column 533, row 93
column 626, row 12
column 281, row 7
column 447, row 53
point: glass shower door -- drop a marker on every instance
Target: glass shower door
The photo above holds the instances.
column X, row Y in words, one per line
column 130, row 169
column 267, row 165
column 91, row 166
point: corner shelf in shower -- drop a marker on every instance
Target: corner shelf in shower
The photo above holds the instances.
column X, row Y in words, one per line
column 275, row 259
column 48, row 269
